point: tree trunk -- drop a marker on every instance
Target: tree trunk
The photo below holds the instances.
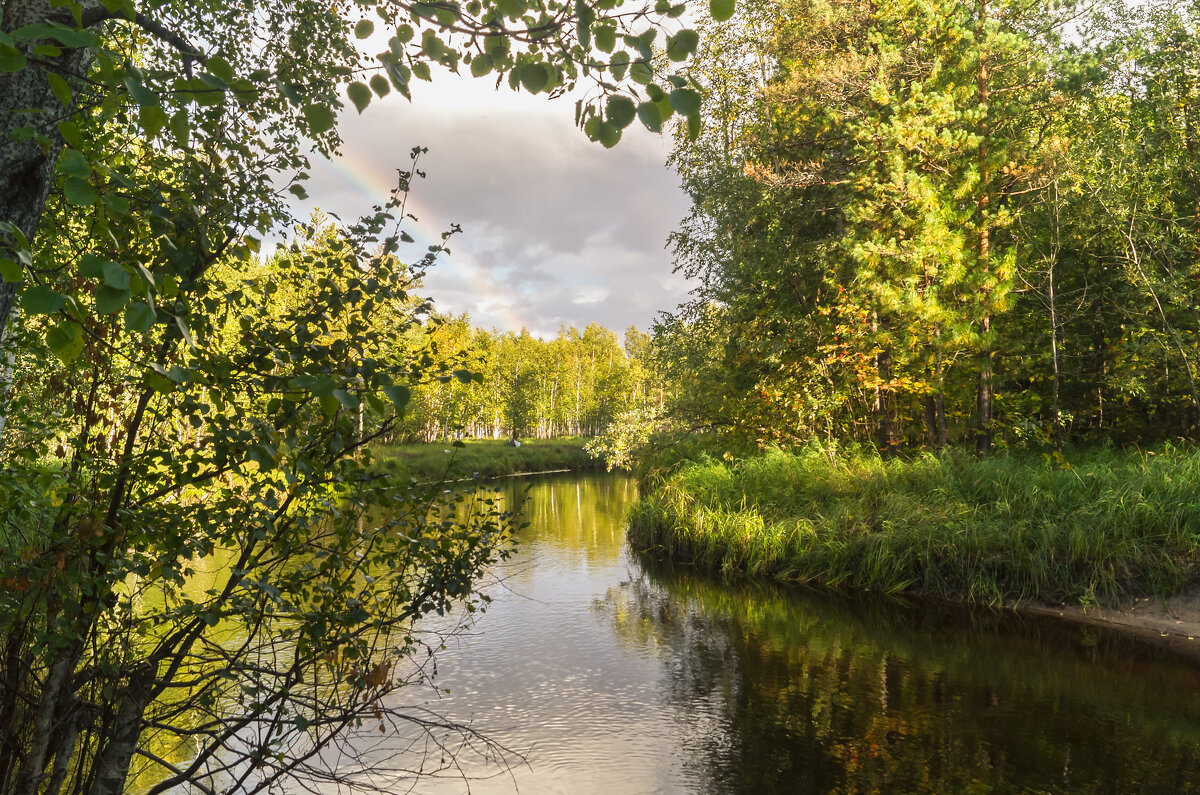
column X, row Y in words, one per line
column 27, row 161
column 112, row 763
column 983, row 403
column 885, row 434
column 983, row 398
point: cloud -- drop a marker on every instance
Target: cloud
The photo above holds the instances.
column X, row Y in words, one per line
column 557, row 230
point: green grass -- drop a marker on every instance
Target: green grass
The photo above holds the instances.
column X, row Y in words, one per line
column 488, row 457
column 1010, row 527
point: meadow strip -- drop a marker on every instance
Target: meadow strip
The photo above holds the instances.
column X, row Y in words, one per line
column 1105, row 527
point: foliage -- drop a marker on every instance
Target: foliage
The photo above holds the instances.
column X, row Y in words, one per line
column 523, row 386
column 926, row 224
column 174, row 410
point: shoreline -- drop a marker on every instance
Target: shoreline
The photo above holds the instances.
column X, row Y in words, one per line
column 1173, row 623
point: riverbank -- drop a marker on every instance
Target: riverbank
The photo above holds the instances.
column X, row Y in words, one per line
column 1100, row 530
column 487, row 458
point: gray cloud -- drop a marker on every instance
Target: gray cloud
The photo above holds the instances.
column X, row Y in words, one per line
column 557, row 230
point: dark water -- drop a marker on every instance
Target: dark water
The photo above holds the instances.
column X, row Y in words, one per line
column 602, row 674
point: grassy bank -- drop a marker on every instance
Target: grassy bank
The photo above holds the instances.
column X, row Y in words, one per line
column 1110, row 526
column 487, row 457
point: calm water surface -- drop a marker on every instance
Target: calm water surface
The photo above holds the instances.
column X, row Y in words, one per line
column 599, row 673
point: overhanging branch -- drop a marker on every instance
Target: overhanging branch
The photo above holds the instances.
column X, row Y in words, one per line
column 191, row 54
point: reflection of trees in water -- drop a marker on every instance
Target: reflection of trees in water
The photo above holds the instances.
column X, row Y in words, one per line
column 779, row 691
column 584, row 513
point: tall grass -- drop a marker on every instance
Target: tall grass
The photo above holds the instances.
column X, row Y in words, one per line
column 1011, row 527
column 486, row 458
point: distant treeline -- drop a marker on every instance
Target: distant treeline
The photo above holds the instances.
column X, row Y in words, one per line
column 507, row 384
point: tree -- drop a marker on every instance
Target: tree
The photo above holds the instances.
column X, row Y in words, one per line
column 194, row 414
column 234, row 90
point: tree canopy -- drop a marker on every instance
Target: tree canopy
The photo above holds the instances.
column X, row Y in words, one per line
column 204, row 579
column 933, row 223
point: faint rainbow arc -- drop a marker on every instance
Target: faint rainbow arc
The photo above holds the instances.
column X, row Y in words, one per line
column 368, row 181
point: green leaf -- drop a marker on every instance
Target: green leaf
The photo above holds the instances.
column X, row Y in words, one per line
column 153, row 119
column 80, row 192
column 116, row 204
column 359, row 94
column 138, row 317
column 66, row 340
column 71, row 135
column 618, row 64
column 650, row 116
column 74, row 164
column 320, row 118
column 115, row 276
column 92, row 266
column 620, row 111
column 347, row 399
column 421, row 70
column 534, row 77
column 139, row 93
column 685, row 100
column 605, row 36
column 39, row 300
column 11, row 270
column 399, row 395
column 609, row 135
column 62, row 91
column 641, row 72
column 364, row 29
column 682, row 45
column 181, row 128
column 480, row 65
column 380, row 85
column 220, row 67
column 722, row 9
column 111, row 299
column 404, row 34
column 11, row 59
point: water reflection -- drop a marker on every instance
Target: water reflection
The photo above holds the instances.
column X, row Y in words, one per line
column 797, row 692
column 602, row 673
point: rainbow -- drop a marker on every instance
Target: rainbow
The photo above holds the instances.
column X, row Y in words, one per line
column 487, row 296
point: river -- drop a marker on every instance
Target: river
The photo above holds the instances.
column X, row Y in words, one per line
column 601, row 673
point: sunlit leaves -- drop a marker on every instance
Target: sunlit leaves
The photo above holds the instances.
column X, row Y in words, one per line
column 320, row 118
column 722, row 10
column 359, row 94
column 620, row 111
column 534, row 77
column 681, row 46
column 66, row 341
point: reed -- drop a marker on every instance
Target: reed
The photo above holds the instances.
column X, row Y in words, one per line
column 1106, row 526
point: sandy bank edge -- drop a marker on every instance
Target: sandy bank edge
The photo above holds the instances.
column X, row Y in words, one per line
column 1174, row 623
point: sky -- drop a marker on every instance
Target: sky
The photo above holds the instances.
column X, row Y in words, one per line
column 556, row 229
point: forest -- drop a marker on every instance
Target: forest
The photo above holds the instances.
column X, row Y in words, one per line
column 944, row 255
column 204, row 579
column 576, row 384
column 928, row 224
column 947, row 305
